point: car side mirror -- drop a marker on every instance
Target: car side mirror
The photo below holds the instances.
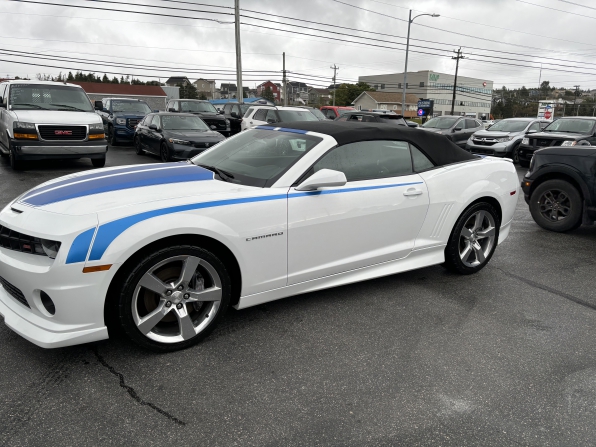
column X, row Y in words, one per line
column 322, row 179
column 234, row 115
column 221, row 112
column 153, row 127
column 457, row 129
column 531, row 131
column 98, row 105
column 156, row 111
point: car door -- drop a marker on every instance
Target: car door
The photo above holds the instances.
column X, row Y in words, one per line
column 375, row 217
column 259, row 118
column 143, row 130
column 471, row 126
column 153, row 136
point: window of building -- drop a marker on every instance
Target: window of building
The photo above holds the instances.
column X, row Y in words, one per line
column 382, row 86
column 422, row 84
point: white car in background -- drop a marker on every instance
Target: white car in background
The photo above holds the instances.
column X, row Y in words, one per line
column 162, row 250
column 266, row 115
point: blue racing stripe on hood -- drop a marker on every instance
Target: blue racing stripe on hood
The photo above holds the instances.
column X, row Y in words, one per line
column 137, row 179
column 97, row 174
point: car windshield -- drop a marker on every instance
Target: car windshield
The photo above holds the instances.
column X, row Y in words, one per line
column 179, row 122
column 393, row 119
column 289, row 116
column 440, row 123
column 571, row 126
column 244, row 108
column 130, row 106
column 318, row 114
column 510, row 126
column 257, row 157
column 192, row 106
column 49, row 97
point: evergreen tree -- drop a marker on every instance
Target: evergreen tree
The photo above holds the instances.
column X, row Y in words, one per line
column 105, row 79
column 268, row 94
column 70, row 77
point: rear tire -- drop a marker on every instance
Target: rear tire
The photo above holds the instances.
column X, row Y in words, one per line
column 174, row 297
column 473, row 239
column 99, row 162
column 556, row 205
column 138, row 148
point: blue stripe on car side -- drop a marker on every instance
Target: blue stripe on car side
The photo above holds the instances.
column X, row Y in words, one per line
column 189, row 173
column 95, row 174
column 281, row 129
column 111, row 230
column 80, row 247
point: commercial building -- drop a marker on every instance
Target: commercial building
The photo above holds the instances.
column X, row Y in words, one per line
column 472, row 98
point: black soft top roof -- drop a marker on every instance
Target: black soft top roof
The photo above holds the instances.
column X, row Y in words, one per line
column 437, row 147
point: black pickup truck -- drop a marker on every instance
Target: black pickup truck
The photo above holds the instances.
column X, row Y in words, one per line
column 560, row 187
column 204, row 110
column 565, row 132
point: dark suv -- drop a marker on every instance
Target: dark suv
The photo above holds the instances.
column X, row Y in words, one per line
column 565, row 132
column 457, row 128
column 234, row 113
column 204, row 110
column 373, row 117
column 560, row 187
column 120, row 117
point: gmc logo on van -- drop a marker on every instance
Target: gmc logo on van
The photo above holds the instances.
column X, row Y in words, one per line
column 63, row 132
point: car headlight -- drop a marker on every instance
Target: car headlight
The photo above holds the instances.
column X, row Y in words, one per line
column 176, row 141
column 227, row 122
column 503, row 139
column 96, row 127
column 50, row 248
column 525, row 141
column 23, row 126
column 569, row 143
column 120, row 121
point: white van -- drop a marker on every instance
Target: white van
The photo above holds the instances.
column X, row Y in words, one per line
column 42, row 120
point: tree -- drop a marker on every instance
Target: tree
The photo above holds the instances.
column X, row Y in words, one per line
column 345, row 94
column 115, row 80
column 202, row 96
column 188, row 91
column 105, row 79
column 70, row 77
column 268, row 94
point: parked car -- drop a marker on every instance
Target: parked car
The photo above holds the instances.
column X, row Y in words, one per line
column 264, row 115
column 333, row 112
column 487, row 123
column 234, row 113
column 120, row 116
column 456, row 128
column 44, row 120
column 560, row 187
column 373, row 117
column 174, row 136
column 163, row 250
column 503, row 138
column 565, row 132
column 316, row 112
column 204, row 110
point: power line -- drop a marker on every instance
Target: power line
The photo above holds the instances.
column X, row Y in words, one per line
column 555, row 9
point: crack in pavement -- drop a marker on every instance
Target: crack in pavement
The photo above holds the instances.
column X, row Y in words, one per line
column 131, row 391
column 549, row 289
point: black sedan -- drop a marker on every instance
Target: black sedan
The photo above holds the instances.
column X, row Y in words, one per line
column 174, row 136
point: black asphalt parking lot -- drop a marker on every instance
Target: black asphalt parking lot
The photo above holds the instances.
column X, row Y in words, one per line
column 504, row 357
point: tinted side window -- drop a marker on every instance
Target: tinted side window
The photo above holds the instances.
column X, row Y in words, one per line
column 535, row 126
column 236, row 109
column 271, row 115
column 108, row 104
column 248, row 112
column 419, row 160
column 471, row 124
column 260, row 114
column 156, row 121
column 368, row 160
column 228, row 108
column 329, row 113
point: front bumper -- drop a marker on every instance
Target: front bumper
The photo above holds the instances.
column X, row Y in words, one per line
column 526, row 152
column 123, row 133
column 184, row 152
column 37, row 150
column 496, row 150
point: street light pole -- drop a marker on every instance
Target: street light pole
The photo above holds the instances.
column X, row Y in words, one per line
column 240, row 90
column 410, row 20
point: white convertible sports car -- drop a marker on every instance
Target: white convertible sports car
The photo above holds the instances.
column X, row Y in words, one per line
column 162, row 250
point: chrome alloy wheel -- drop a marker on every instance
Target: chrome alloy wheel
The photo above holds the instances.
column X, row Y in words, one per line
column 554, row 205
column 477, row 238
column 176, row 299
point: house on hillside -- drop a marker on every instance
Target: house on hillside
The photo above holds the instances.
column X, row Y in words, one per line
column 387, row 101
column 205, row 87
column 177, row 80
column 153, row 95
column 319, row 96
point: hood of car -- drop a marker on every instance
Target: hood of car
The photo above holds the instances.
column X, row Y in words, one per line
column 56, row 117
column 433, row 129
column 495, row 134
column 209, row 115
column 194, row 135
column 128, row 115
column 106, row 189
column 558, row 135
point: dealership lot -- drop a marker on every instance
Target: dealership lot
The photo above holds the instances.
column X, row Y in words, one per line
column 422, row 358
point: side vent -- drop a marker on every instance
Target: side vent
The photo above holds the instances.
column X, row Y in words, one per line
column 441, row 221
column 14, row 210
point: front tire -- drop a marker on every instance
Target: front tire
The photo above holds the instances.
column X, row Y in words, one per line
column 112, row 137
column 515, row 154
column 138, row 148
column 15, row 163
column 174, row 297
column 98, row 162
column 473, row 240
column 556, row 205
column 164, row 153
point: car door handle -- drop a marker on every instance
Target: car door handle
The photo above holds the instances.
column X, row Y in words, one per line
column 413, row 192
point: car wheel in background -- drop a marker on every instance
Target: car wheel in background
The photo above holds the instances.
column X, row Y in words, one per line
column 98, row 162
column 15, row 163
column 473, row 239
column 515, row 154
column 174, row 297
column 138, row 148
column 164, row 153
column 556, row 205
column 112, row 137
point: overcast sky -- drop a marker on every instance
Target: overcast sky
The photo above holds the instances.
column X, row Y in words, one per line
column 560, row 34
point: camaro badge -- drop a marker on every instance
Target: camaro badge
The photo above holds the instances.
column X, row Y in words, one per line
column 248, row 239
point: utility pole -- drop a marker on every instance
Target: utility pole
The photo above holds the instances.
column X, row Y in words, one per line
column 457, row 58
column 335, row 68
column 285, row 90
column 539, row 83
column 575, row 100
column 240, row 90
